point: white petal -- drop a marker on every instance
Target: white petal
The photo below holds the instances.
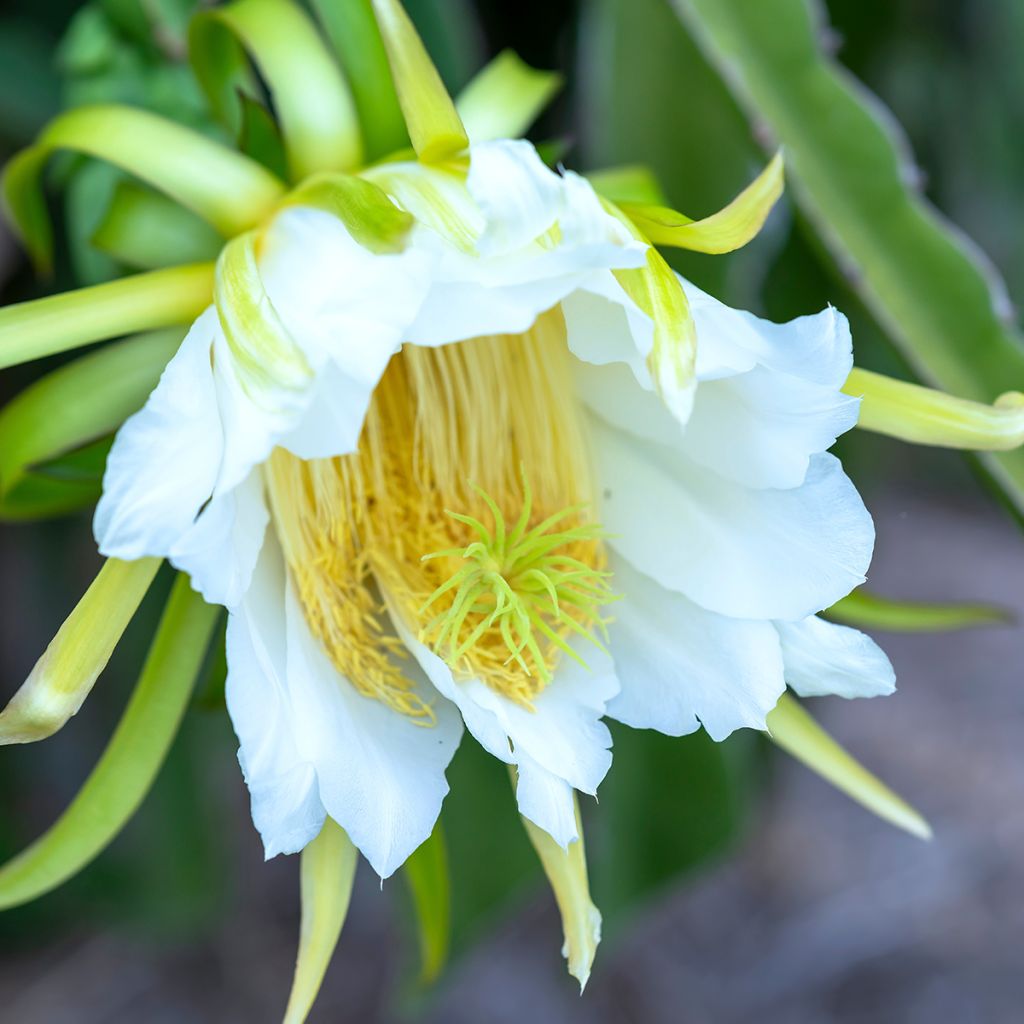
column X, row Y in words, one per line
column 737, row 551
column 680, row 665
column 562, row 737
column 220, row 549
column 817, row 348
column 164, row 462
column 825, row 658
column 518, row 195
column 759, row 428
column 546, row 799
column 286, row 806
column 381, row 774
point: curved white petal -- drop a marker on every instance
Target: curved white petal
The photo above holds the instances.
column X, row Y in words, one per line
column 286, row 806
column 165, row 459
column 746, row 553
column 219, row 550
column 561, row 739
column 825, row 658
column 758, row 428
column 730, row 341
column 681, row 666
column 381, row 774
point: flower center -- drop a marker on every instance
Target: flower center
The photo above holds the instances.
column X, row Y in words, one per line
column 368, row 537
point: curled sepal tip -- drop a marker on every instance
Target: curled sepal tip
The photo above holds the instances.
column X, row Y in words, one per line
column 434, row 125
column 65, row 674
column 796, row 732
column 133, row 757
column 925, row 416
column 327, row 872
column 567, row 872
column 725, row 231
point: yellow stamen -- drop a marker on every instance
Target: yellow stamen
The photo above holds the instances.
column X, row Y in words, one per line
column 495, row 410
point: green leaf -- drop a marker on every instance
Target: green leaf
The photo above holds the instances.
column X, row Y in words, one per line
column 228, row 190
column 318, row 117
column 128, row 766
column 668, row 806
column 504, row 99
column 145, row 230
column 81, row 402
column 426, row 871
column 352, row 30
column 870, row 611
column 159, row 298
column 933, row 294
column 796, row 732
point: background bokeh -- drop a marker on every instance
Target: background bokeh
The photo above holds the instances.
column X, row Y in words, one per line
column 736, row 887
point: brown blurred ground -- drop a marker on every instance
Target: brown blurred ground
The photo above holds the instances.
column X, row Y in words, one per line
column 826, row 916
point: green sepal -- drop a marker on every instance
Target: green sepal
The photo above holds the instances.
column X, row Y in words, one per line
column 74, row 407
column 318, row 117
column 434, row 126
column 870, row 611
column 796, row 732
column 156, row 299
column 427, row 874
column 352, row 29
column 505, row 97
column 144, row 230
column 225, row 188
column 372, row 219
column 128, row 766
column 260, row 136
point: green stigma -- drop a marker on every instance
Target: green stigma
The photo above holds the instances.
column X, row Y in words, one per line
column 518, row 595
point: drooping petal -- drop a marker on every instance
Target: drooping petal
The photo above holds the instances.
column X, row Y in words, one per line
column 737, row 551
column 567, row 872
column 64, row 676
column 381, row 774
column 681, row 666
column 824, row 658
column 280, row 774
column 328, row 871
column 560, row 744
column 165, row 460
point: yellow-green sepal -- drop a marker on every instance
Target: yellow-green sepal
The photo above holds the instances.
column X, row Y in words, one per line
column 725, row 231
column 505, row 98
column 66, row 673
column 566, row 871
column 128, row 766
column 426, row 872
column 226, row 189
column 925, row 416
column 796, row 732
column 318, row 118
column 871, row 611
column 74, row 406
column 157, row 299
column 352, row 29
column 328, row 867
column 145, row 230
column 433, row 123
column 372, row 219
